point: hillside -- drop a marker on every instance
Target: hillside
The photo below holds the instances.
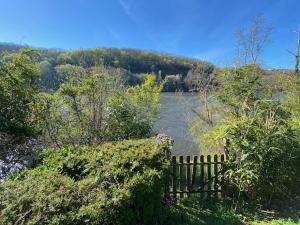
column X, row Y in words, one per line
column 133, row 64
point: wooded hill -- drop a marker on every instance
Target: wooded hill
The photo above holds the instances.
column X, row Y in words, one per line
column 132, row 63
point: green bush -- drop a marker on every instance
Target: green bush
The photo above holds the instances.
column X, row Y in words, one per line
column 258, row 135
column 115, row 183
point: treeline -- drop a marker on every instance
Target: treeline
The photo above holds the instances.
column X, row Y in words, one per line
column 133, row 64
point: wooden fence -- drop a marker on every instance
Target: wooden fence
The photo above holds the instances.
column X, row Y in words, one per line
column 203, row 175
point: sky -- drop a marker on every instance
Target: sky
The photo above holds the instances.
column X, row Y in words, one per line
column 202, row 29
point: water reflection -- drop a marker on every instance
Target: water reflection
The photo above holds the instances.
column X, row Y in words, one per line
column 175, row 119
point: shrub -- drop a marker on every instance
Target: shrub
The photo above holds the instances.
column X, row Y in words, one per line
column 96, row 109
column 261, row 141
column 41, row 198
column 115, row 183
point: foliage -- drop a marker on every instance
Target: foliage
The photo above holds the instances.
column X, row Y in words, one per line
column 19, row 83
column 292, row 100
column 276, row 222
column 97, row 108
column 68, row 72
column 240, row 88
column 146, row 97
column 132, row 63
column 115, row 183
column 193, row 211
column 124, row 121
column 19, row 76
column 261, row 142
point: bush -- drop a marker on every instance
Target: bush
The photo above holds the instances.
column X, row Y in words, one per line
column 261, row 141
column 40, row 198
column 115, row 183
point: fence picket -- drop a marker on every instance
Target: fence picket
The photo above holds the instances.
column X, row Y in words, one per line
column 216, row 176
column 223, row 176
column 194, row 171
column 188, row 174
column 202, row 176
column 181, row 175
column 209, row 176
column 174, row 180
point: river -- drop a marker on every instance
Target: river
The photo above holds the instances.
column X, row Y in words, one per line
column 175, row 119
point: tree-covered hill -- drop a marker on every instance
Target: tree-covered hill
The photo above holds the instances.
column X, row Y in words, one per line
column 133, row 63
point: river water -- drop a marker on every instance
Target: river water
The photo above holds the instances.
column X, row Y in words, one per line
column 175, row 119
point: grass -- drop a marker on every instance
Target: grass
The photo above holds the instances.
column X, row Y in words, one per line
column 216, row 212
column 193, row 212
column 276, row 222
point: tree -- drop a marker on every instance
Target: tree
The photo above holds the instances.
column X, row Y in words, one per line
column 202, row 80
column 19, row 84
column 297, row 54
column 258, row 136
column 95, row 109
column 68, row 72
column 252, row 40
column 49, row 79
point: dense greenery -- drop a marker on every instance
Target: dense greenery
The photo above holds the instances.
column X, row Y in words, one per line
column 19, row 76
column 194, row 211
column 114, row 183
column 259, row 137
column 56, row 64
column 95, row 109
column 18, row 85
column 90, row 107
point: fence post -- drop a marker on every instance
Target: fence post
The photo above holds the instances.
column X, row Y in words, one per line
column 188, row 174
column 223, row 176
column 216, row 175
column 201, row 176
column 181, row 183
column 174, row 183
column 194, row 171
column 209, row 176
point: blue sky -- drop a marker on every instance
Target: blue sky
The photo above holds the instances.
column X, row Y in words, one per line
column 202, row 29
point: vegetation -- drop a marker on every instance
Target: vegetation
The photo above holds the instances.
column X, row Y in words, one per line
column 95, row 109
column 89, row 108
column 73, row 129
column 57, row 64
column 18, row 84
column 114, row 183
column 193, row 211
column 258, row 135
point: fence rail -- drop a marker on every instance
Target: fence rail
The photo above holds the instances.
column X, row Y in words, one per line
column 203, row 175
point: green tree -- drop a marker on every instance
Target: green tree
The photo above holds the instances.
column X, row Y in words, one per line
column 68, row 72
column 131, row 114
column 49, row 80
column 256, row 133
column 19, row 83
column 97, row 108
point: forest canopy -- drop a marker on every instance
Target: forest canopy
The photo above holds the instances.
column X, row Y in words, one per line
column 132, row 63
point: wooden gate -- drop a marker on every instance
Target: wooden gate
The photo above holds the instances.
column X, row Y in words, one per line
column 203, row 175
